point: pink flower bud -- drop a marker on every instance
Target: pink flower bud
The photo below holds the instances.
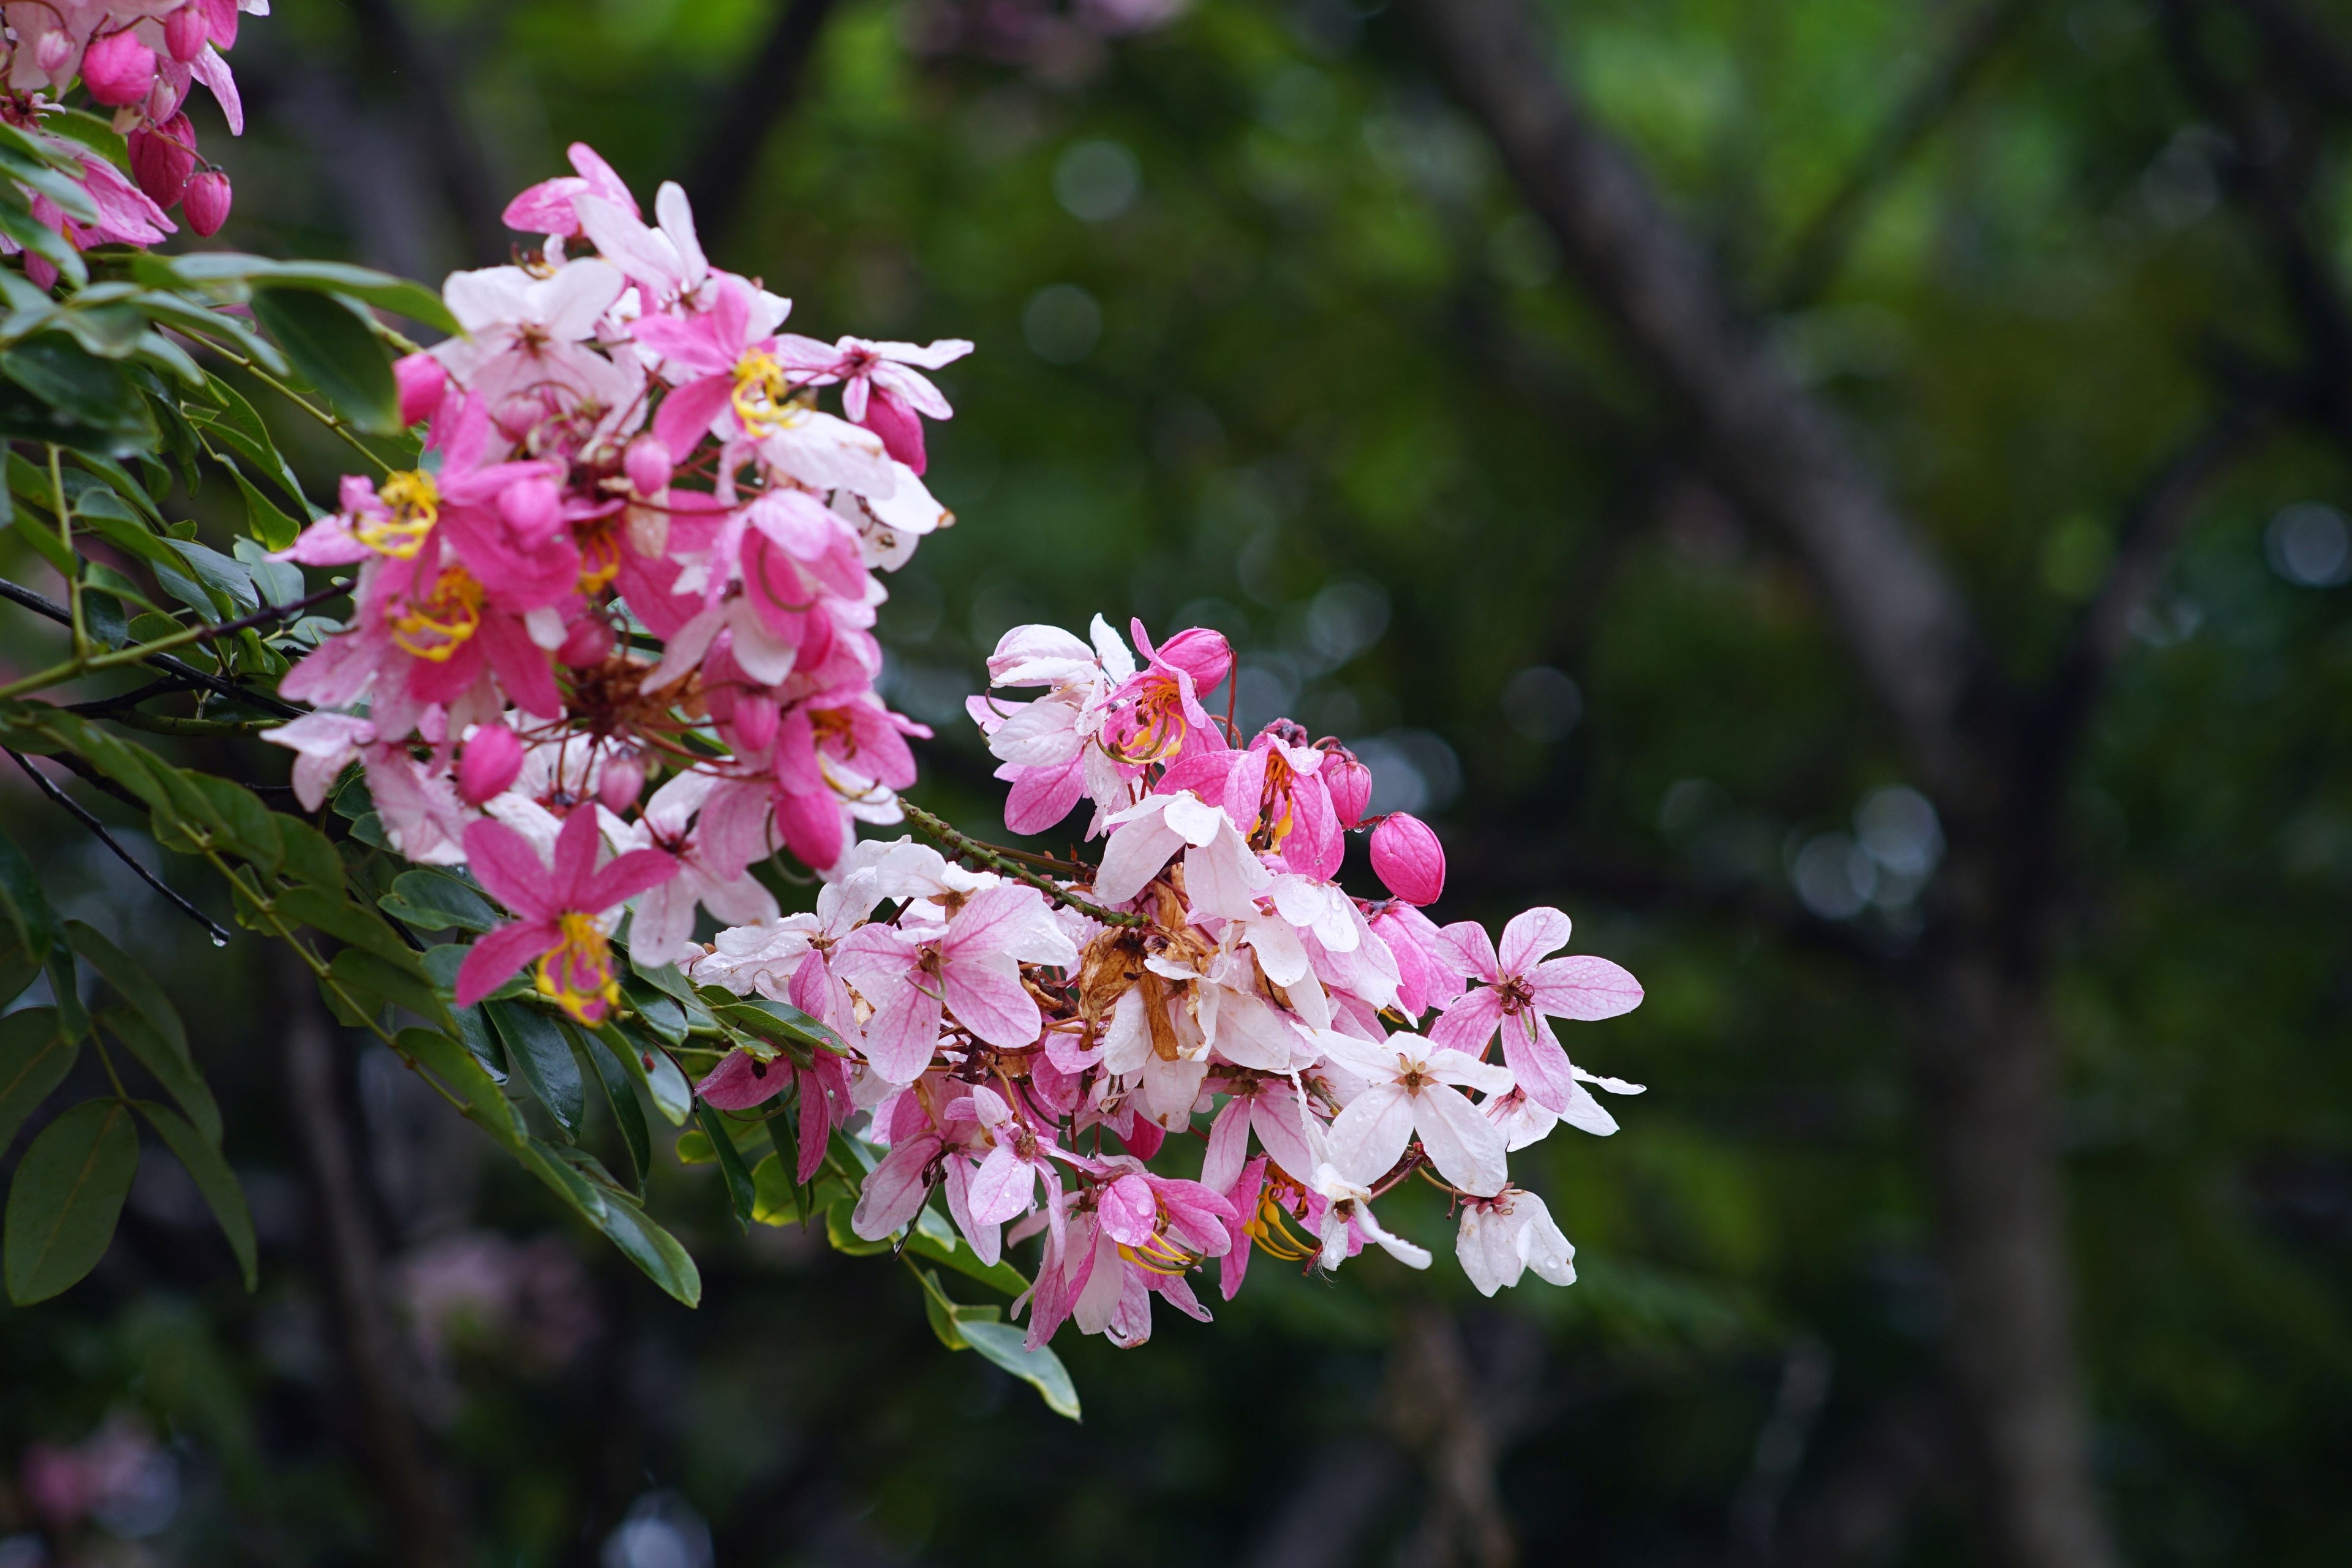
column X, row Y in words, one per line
column 185, row 33
column 1201, row 653
column 162, row 159
column 1349, row 782
column 620, row 781
column 118, row 68
column 900, row 428
column 647, row 461
column 589, row 641
column 755, row 724
column 421, row 381
column 1409, row 859
column 533, row 508
column 492, row 759
column 54, row 53
column 207, row 202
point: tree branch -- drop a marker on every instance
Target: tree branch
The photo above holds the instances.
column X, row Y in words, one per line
column 41, row 605
column 767, row 92
column 1820, row 246
column 74, row 808
column 1778, row 450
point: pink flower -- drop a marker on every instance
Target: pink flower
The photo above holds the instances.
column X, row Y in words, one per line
column 724, row 366
column 880, row 387
column 547, row 207
column 1519, row 992
column 562, row 909
column 489, row 764
column 663, row 931
column 1409, row 859
column 972, row 972
column 323, row 744
column 1276, row 793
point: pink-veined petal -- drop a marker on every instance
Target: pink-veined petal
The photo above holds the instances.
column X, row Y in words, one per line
column 1004, row 1186
column 1584, row 988
column 506, row 865
column 984, row 991
column 1471, row 950
column 1531, row 935
column 1538, row 1064
column 895, row 1189
column 743, row 1082
column 1469, row 1022
column 901, row 1039
column 1228, row 1144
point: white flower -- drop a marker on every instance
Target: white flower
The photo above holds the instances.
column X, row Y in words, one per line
column 1512, row 1233
column 1410, row 1092
column 1349, row 1200
column 1222, row 876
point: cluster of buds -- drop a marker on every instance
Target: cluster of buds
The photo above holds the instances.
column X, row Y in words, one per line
column 612, row 646
column 1027, row 1040
column 137, row 59
column 638, row 555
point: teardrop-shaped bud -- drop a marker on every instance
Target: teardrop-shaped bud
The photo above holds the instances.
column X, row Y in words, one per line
column 422, row 381
column 207, row 202
column 647, row 461
column 1202, row 654
column 1349, row 782
column 54, row 53
column 755, row 723
column 489, row 764
column 900, row 428
column 118, row 68
column 589, row 641
column 163, row 100
column 162, row 159
column 185, row 33
column 1409, row 859
column 533, row 508
column 619, row 781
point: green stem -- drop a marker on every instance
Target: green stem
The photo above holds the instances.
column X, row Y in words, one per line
column 972, row 849
column 328, row 418
column 65, row 537
column 83, row 664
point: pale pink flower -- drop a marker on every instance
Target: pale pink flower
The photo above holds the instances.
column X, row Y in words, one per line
column 973, row 972
column 1522, row 989
column 1503, row 1237
column 1410, row 1091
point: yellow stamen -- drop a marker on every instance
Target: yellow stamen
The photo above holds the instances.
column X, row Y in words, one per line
column 415, row 502
column 437, row 627
column 1276, row 1236
column 1159, row 1256
column 762, row 396
column 600, row 560
column 578, row 973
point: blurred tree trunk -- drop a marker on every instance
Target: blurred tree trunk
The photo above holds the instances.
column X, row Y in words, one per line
column 349, row 1258
column 1987, row 1062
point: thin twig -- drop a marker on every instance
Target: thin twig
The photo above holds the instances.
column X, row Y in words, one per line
column 970, row 849
column 219, row 932
column 41, row 605
column 185, row 637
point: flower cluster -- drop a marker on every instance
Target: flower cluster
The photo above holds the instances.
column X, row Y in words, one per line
column 638, row 553
column 139, row 59
column 612, row 646
column 1209, row 977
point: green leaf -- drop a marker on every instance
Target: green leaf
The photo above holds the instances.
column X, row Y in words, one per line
column 653, row 1249
column 1041, row 1369
column 43, row 241
column 35, row 1056
column 231, row 421
column 65, row 987
column 775, row 1199
column 223, row 574
column 739, row 1192
column 456, row 1066
column 653, row 1071
column 474, row 1032
column 175, row 1068
column 536, row 1045
column 131, row 983
column 620, row 1093
column 18, row 970
column 306, row 854
column 935, row 1239
column 398, row 295
column 368, row 973
column 67, row 1193
column 663, row 1015
column 348, row 923
column 432, row 902
column 778, row 1023
column 277, row 582
column 844, row 1239
column 27, row 906
column 333, row 349
column 60, row 392
column 214, row 1180
column 693, row 1148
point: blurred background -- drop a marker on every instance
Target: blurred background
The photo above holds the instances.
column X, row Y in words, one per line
column 1971, row 1015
